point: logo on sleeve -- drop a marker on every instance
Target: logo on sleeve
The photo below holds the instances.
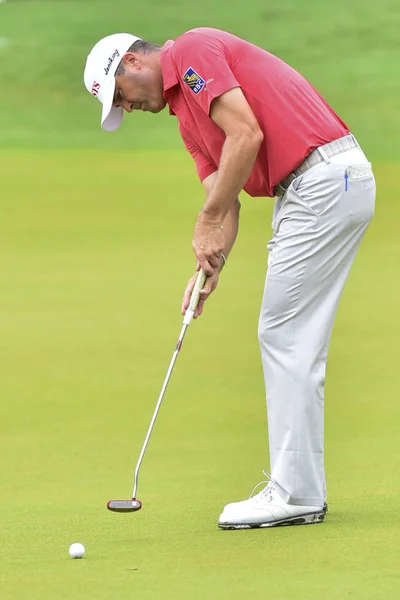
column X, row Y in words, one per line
column 193, row 80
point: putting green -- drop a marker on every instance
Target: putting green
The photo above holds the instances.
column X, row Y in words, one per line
column 95, row 253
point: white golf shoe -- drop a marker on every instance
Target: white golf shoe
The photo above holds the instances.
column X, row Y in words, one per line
column 268, row 509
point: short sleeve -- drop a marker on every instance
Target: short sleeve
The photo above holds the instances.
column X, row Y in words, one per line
column 202, row 66
column 204, row 165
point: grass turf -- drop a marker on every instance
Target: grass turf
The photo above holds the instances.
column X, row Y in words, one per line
column 89, row 320
column 348, row 50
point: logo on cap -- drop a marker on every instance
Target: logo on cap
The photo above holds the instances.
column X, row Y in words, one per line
column 110, row 61
column 95, row 88
column 193, row 80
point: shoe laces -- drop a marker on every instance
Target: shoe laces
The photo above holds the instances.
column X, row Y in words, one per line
column 266, row 493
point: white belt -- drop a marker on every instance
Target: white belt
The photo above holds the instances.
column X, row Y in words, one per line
column 324, row 152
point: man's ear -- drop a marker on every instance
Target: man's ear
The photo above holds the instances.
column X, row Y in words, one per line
column 132, row 60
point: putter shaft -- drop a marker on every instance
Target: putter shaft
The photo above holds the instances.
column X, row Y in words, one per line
column 194, row 300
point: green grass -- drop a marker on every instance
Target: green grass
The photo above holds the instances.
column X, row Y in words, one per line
column 348, row 50
column 92, row 278
column 95, row 235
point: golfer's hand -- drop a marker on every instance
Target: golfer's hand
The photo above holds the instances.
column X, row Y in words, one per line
column 209, row 286
column 208, row 243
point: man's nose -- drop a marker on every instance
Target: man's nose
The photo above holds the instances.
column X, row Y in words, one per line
column 128, row 106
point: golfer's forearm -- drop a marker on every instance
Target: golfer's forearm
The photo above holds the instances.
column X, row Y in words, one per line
column 237, row 161
column 231, row 226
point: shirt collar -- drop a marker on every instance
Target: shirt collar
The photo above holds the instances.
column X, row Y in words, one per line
column 168, row 72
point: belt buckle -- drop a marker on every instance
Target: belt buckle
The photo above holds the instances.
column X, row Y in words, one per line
column 279, row 190
column 292, row 176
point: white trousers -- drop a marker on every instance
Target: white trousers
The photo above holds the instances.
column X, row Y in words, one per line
column 317, row 228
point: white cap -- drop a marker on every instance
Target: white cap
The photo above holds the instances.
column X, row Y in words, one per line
column 101, row 65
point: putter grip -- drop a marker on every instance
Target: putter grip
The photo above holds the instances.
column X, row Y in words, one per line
column 198, row 286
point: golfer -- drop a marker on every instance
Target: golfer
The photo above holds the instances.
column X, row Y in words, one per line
column 252, row 122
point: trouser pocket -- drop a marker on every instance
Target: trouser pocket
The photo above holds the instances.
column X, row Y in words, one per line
column 360, row 191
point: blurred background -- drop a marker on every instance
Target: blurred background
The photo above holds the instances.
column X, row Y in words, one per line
column 349, row 50
column 95, row 251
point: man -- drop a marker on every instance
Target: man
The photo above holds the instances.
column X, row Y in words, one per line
column 252, row 122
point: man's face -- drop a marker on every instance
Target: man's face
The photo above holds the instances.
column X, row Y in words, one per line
column 140, row 87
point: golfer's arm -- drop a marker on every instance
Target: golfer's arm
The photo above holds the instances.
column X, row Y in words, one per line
column 233, row 114
column 231, row 219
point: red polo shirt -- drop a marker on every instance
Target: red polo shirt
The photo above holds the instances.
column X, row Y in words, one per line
column 204, row 63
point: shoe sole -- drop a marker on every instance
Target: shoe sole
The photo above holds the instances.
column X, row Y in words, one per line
column 298, row 520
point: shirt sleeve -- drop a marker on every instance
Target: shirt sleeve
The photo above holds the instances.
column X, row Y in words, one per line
column 202, row 66
column 204, row 165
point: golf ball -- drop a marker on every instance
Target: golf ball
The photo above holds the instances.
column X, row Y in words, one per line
column 76, row 550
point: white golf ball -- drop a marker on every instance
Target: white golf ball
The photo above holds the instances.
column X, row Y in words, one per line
column 76, row 550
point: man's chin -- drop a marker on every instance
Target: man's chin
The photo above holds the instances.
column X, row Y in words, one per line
column 158, row 108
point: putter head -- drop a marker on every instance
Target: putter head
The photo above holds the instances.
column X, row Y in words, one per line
column 124, row 506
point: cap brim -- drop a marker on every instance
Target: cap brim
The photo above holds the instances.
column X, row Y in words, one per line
column 111, row 116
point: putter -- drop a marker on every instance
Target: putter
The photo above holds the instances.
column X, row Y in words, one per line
column 133, row 505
